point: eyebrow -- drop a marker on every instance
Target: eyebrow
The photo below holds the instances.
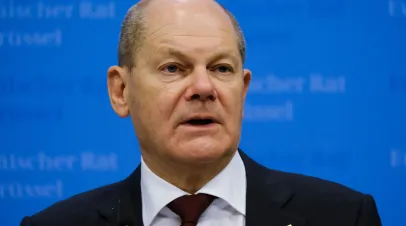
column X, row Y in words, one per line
column 218, row 54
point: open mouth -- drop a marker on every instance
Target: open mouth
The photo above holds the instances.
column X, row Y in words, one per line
column 200, row 122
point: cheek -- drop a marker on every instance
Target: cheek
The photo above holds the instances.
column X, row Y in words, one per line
column 231, row 99
column 143, row 103
column 161, row 102
column 232, row 105
column 164, row 106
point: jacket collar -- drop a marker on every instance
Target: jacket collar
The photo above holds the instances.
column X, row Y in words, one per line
column 266, row 197
column 123, row 206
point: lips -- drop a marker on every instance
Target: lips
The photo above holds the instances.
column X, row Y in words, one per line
column 200, row 120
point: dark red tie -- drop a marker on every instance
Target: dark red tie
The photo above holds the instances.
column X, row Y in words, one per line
column 190, row 207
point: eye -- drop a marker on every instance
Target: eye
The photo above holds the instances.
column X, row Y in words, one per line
column 171, row 69
column 224, row 69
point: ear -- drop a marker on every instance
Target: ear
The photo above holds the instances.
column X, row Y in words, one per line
column 247, row 80
column 116, row 84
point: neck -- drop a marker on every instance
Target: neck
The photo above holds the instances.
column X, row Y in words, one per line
column 190, row 177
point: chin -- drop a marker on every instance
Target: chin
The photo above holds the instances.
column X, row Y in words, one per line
column 202, row 151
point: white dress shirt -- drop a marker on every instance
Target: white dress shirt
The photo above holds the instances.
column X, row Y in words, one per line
column 227, row 210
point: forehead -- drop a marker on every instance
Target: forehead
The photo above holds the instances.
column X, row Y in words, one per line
column 192, row 26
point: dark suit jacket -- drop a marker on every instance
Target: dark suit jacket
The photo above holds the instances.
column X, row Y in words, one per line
column 274, row 198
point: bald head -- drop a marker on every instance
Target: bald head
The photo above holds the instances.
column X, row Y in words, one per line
column 134, row 26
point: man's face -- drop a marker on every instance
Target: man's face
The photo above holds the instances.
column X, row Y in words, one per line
column 187, row 91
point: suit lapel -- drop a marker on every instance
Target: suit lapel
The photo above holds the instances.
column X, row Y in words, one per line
column 124, row 207
column 266, row 197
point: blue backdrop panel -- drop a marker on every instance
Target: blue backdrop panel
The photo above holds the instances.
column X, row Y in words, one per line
column 328, row 97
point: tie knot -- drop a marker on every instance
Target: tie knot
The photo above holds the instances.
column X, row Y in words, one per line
column 190, row 207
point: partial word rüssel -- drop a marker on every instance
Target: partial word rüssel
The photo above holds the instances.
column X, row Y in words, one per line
column 20, row 190
column 33, row 38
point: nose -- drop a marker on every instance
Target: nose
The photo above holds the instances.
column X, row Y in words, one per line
column 201, row 87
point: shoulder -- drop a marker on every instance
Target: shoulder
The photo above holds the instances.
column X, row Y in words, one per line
column 313, row 186
column 323, row 196
column 317, row 198
column 317, row 193
column 80, row 209
column 301, row 185
column 320, row 200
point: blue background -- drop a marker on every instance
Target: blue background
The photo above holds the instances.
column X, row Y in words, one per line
column 60, row 137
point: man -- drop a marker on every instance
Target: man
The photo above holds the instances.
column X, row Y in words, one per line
column 181, row 79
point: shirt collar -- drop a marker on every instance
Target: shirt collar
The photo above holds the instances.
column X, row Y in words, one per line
column 229, row 185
